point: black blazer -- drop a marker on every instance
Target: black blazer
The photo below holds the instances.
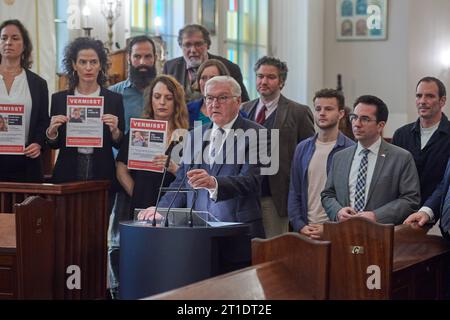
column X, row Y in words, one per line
column 177, row 68
column 104, row 165
column 21, row 168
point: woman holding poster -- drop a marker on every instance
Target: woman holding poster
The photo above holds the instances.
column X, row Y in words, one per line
column 90, row 156
column 24, row 102
column 163, row 101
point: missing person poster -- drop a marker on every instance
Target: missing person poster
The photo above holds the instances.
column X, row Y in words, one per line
column 12, row 129
column 147, row 140
column 85, row 125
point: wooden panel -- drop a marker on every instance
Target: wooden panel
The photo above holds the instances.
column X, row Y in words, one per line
column 118, row 66
column 356, row 245
column 8, row 286
column 420, row 263
column 81, row 224
column 286, row 267
column 307, row 260
column 7, row 232
column 35, row 248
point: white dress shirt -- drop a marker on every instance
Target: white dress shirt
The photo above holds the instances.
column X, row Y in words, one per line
column 353, row 177
column 20, row 95
column 270, row 107
column 227, row 128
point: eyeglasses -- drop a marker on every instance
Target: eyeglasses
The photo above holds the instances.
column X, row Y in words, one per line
column 364, row 119
column 220, row 99
column 197, row 45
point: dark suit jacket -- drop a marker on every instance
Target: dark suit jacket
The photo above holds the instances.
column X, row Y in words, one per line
column 431, row 160
column 238, row 198
column 295, row 123
column 104, row 164
column 394, row 192
column 436, row 201
column 177, row 68
column 27, row 169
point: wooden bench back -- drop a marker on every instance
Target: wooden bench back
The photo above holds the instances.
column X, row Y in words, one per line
column 286, row 267
column 307, row 260
column 35, row 248
column 361, row 259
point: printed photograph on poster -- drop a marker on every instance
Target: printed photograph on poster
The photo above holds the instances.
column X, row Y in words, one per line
column 12, row 129
column 85, row 125
column 147, row 140
column 361, row 19
column 139, row 138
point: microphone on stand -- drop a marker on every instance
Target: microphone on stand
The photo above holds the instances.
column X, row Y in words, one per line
column 166, row 222
column 191, row 166
column 168, row 153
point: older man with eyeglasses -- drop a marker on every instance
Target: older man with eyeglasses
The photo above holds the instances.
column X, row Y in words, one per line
column 217, row 161
column 374, row 179
column 195, row 41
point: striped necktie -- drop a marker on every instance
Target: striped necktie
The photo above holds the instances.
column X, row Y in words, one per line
column 360, row 192
column 216, row 144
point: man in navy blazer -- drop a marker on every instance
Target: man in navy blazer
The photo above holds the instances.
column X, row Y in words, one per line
column 218, row 163
column 437, row 205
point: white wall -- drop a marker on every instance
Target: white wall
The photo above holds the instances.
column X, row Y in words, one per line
column 417, row 33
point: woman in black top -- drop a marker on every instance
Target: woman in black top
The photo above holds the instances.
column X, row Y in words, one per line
column 163, row 100
column 20, row 86
column 85, row 63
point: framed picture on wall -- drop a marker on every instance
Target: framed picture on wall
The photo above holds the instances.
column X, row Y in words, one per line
column 208, row 15
column 361, row 19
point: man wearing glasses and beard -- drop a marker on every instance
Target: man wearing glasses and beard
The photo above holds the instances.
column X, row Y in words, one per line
column 142, row 71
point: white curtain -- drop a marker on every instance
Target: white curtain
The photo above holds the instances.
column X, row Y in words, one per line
column 38, row 18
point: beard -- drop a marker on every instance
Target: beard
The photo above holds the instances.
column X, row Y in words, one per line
column 142, row 76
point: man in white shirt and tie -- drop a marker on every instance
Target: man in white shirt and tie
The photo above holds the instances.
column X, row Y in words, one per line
column 217, row 163
column 373, row 179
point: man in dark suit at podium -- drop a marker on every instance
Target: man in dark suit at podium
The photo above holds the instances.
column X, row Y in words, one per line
column 218, row 161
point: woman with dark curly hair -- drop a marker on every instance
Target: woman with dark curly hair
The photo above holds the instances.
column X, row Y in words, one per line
column 20, row 86
column 85, row 63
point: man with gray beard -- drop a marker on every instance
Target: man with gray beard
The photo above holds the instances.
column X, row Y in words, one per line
column 195, row 41
column 142, row 71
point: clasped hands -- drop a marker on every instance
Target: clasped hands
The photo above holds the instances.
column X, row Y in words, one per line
column 348, row 212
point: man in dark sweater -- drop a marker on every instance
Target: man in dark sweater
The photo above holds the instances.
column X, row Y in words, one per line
column 428, row 138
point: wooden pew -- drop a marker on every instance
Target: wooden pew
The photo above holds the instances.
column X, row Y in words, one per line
column 80, row 224
column 27, row 255
column 411, row 263
column 287, row 267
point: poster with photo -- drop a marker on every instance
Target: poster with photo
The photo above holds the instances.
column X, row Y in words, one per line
column 85, row 125
column 12, row 129
column 361, row 19
column 147, row 140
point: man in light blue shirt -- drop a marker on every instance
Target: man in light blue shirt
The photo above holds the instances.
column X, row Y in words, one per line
column 142, row 71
